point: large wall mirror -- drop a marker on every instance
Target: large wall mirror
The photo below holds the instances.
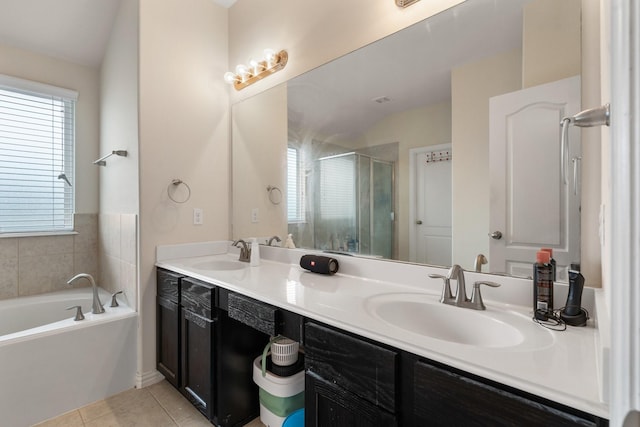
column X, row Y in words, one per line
column 439, row 144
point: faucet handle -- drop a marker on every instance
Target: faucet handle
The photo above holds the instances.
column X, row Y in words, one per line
column 446, row 288
column 114, row 300
column 79, row 315
column 476, row 296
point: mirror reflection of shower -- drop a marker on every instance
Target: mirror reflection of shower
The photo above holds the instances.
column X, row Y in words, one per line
column 353, row 204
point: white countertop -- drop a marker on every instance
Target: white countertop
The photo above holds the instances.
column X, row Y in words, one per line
column 559, row 366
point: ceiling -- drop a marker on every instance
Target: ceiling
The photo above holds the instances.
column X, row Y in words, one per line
column 73, row 30
column 411, row 68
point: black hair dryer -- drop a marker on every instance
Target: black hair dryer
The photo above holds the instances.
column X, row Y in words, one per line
column 572, row 313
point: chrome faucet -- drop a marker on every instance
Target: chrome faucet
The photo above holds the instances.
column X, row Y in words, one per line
column 271, row 239
column 245, row 250
column 97, row 307
column 460, row 299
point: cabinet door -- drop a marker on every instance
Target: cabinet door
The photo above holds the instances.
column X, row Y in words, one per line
column 444, row 398
column 197, row 361
column 365, row 369
column 329, row 405
column 168, row 340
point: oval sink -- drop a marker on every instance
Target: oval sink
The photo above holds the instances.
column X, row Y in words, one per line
column 424, row 315
column 219, row 265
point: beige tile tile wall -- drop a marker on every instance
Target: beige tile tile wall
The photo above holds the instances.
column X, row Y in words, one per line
column 34, row 265
column 117, row 237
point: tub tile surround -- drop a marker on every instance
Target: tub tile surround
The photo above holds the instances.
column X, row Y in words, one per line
column 41, row 264
column 324, row 298
column 117, row 237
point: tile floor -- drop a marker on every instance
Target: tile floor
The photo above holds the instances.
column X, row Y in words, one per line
column 159, row 405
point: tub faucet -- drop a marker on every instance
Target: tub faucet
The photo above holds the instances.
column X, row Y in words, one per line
column 97, row 307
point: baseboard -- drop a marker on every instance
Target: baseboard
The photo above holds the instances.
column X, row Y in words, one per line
column 148, row 378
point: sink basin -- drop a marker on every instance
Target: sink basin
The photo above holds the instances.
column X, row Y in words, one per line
column 425, row 316
column 219, row 265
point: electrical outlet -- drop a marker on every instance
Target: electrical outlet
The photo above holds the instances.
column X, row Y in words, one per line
column 254, row 215
column 197, row 216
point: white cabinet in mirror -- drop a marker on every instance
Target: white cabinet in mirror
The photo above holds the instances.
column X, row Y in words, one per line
column 385, row 152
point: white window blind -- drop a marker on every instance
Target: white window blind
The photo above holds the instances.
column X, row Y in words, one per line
column 295, row 187
column 337, row 188
column 37, row 124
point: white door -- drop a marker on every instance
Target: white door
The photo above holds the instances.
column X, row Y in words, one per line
column 431, row 217
column 531, row 198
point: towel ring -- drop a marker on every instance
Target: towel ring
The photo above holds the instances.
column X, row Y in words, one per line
column 275, row 194
column 176, row 183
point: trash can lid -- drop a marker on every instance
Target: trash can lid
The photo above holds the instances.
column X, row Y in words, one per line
column 295, row 419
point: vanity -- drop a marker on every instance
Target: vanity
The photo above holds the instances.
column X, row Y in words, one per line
column 379, row 347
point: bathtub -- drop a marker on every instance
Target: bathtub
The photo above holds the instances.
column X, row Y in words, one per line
column 51, row 364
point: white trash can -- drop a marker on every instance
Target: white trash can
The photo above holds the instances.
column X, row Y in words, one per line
column 279, row 396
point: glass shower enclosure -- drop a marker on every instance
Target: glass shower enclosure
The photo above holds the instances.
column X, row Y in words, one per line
column 354, row 204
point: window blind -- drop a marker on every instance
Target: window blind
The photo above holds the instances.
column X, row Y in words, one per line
column 37, row 136
column 337, row 187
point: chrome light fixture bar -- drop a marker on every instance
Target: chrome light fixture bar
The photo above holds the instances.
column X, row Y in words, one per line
column 257, row 70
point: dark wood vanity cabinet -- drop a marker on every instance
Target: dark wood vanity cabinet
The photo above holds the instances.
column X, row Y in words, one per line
column 205, row 354
column 348, row 381
column 442, row 396
column 208, row 338
column 168, row 326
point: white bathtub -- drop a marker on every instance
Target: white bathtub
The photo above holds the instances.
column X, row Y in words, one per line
column 51, row 364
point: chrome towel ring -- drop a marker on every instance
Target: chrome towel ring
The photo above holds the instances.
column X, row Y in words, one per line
column 173, row 188
column 275, row 194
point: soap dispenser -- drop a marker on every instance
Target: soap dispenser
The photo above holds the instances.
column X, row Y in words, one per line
column 255, row 252
column 289, row 242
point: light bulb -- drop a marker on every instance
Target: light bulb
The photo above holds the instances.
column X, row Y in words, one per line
column 242, row 71
column 230, row 77
column 256, row 66
column 270, row 57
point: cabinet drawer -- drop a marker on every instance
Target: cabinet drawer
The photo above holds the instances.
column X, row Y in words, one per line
column 257, row 314
column 168, row 284
column 364, row 369
column 198, row 296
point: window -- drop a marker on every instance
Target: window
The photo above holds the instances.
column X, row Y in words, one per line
column 337, row 187
column 37, row 125
column 295, row 186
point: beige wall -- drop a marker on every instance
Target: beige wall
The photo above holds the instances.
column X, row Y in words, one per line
column 551, row 32
column 184, row 133
column 314, row 32
column 119, row 114
column 471, row 87
column 259, row 152
column 119, row 189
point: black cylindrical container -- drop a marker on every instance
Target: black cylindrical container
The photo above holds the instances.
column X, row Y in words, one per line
column 542, row 286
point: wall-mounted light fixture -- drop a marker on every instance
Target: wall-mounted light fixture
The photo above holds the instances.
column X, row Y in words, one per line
column 247, row 75
column 405, row 3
